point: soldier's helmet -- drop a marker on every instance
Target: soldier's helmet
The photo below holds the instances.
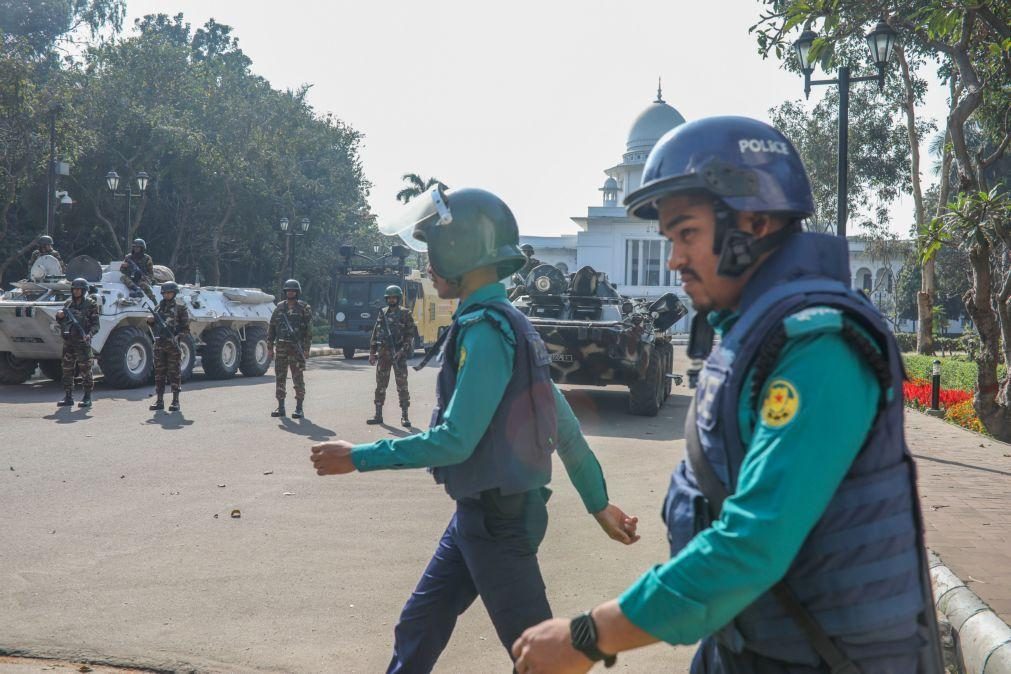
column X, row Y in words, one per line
column 45, row 241
column 744, row 163
column 527, row 249
column 169, row 287
column 140, row 243
column 393, row 291
column 462, row 230
column 79, row 283
column 292, row 284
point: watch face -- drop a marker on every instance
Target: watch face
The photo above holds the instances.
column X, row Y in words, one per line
column 583, row 633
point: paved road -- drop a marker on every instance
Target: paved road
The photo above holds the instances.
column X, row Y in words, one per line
column 119, row 545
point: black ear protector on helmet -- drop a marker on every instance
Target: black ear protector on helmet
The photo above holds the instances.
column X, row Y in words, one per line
column 739, row 250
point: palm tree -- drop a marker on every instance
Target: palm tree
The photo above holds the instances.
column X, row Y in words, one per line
column 416, row 186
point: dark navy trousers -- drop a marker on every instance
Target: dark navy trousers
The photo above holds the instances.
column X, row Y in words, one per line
column 489, row 550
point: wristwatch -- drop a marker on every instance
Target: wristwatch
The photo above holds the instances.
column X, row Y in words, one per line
column 584, row 639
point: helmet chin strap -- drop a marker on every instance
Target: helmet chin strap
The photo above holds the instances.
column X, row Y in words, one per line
column 739, row 250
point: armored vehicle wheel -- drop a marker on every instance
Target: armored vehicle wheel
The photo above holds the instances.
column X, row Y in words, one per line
column 52, row 369
column 187, row 356
column 349, row 352
column 646, row 395
column 255, row 361
column 15, row 370
column 127, row 358
column 221, row 353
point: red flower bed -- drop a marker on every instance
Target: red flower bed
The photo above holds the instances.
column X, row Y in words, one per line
column 917, row 392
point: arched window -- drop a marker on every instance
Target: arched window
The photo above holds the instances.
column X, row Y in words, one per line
column 863, row 280
column 883, row 280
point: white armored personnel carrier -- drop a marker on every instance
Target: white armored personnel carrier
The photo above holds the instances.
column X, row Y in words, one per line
column 228, row 327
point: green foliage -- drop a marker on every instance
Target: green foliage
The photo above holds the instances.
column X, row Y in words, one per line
column 416, row 186
column 956, row 372
column 952, row 277
column 228, row 156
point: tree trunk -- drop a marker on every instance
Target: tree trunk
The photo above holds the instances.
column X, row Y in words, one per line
column 20, row 253
column 214, row 268
column 925, row 298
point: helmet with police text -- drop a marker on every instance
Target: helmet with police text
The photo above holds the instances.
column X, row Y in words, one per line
column 292, row 284
column 462, row 230
column 169, row 287
column 140, row 243
column 393, row 291
column 79, row 284
column 45, row 241
column 746, row 164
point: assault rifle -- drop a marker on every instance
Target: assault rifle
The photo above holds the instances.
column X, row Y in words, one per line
column 67, row 313
column 291, row 333
column 137, row 274
column 389, row 334
column 166, row 331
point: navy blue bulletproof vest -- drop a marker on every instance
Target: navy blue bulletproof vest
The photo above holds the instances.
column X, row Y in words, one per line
column 514, row 455
column 860, row 572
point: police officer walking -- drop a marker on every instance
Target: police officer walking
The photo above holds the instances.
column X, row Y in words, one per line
column 291, row 329
column 498, row 418
column 79, row 320
column 391, row 345
column 138, row 270
column 794, row 525
column 174, row 321
column 45, row 247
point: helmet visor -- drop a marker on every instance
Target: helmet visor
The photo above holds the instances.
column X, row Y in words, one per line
column 428, row 209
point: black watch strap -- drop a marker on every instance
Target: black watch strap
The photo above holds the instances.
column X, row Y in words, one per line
column 583, row 632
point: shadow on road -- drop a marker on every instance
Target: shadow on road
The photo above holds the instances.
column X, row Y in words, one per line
column 39, row 390
column 68, row 415
column 169, row 421
column 305, row 427
column 604, row 412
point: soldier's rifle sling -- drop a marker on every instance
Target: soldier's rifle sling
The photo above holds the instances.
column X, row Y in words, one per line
column 389, row 333
column 138, row 273
column 166, row 331
column 291, row 333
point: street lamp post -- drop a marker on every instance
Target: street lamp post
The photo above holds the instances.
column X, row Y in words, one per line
column 290, row 232
column 881, row 40
column 112, row 182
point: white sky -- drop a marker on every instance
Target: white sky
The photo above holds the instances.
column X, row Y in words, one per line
column 531, row 100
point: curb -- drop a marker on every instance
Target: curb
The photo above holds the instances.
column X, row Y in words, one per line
column 982, row 639
column 316, row 351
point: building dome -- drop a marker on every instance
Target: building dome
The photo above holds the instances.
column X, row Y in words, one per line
column 651, row 124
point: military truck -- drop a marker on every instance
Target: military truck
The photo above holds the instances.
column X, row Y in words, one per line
column 597, row 337
column 357, row 291
column 228, row 330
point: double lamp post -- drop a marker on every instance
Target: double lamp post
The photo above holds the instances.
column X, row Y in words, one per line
column 112, row 181
column 881, row 40
column 291, row 232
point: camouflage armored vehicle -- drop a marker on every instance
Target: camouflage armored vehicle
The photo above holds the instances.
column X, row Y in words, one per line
column 228, row 327
column 597, row 337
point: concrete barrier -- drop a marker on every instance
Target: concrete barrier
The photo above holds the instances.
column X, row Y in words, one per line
column 982, row 639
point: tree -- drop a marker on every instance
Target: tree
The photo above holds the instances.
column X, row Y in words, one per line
column 972, row 42
column 416, row 186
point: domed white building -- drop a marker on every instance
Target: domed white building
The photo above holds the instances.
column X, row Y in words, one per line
column 630, row 251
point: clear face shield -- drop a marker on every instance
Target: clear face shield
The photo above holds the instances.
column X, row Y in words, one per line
column 428, row 208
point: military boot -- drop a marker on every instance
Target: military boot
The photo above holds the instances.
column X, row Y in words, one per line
column 174, row 407
column 86, row 402
column 404, row 421
column 68, row 400
column 159, row 403
column 378, row 419
column 298, row 414
column 279, row 412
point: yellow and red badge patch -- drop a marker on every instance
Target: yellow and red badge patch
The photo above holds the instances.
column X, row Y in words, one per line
column 780, row 405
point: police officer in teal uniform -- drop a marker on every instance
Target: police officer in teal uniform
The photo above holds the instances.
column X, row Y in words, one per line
column 497, row 421
column 794, row 525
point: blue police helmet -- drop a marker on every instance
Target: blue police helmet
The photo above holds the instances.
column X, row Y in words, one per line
column 746, row 163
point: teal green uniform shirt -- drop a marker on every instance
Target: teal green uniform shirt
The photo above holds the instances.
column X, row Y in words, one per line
column 485, row 355
column 789, row 474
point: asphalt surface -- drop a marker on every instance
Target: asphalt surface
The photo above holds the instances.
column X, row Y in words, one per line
column 119, row 545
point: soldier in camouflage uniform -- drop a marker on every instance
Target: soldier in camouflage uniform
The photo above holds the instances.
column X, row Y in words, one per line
column 294, row 338
column 167, row 356
column 392, row 342
column 45, row 244
column 79, row 320
column 137, row 276
column 528, row 266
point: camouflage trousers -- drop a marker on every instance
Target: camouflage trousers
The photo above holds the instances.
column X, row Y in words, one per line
column 286, row 357
column 167, row 366
column 143, row 285
column 388, row 362
column 77, row 358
